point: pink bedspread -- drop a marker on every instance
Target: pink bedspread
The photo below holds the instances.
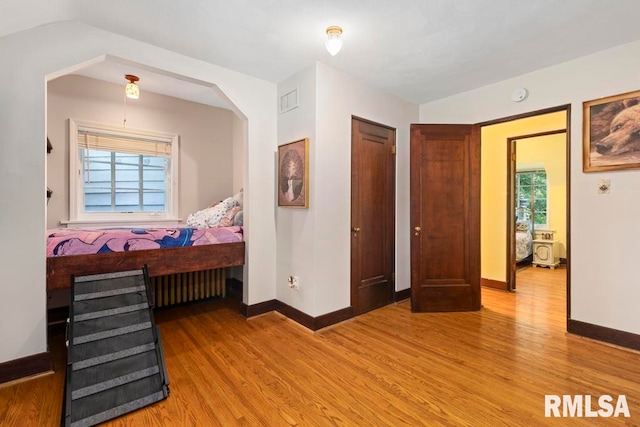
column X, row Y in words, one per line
column 67, row 241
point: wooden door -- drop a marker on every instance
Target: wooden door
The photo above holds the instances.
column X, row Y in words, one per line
column 372, row 215
column 445, row 217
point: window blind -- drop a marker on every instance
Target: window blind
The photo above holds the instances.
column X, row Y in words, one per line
column 122, row 144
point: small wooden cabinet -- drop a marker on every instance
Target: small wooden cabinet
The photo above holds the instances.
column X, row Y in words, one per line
column 545, row 249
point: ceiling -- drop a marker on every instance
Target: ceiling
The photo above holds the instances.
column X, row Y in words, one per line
column 113, row 72
column 419, row 50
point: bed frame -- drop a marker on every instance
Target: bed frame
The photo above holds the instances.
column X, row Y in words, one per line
column 159, row 262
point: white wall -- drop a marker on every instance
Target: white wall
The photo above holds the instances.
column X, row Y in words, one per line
column 239, row 134
column 296, row 227
column 604, row 231
column 315, row 243
column 32, row 57
column 206, row 138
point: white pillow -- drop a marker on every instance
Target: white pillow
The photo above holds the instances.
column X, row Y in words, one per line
column 211, row 217
column 238, row 197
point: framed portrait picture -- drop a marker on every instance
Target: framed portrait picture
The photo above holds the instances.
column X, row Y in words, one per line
column 293, row 174
column 611, row 134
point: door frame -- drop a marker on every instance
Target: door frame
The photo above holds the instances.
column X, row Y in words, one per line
column 567, row 108
column 511, row 215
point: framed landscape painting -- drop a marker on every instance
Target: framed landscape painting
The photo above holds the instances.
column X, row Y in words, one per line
column 611, row 134
column 293, row 174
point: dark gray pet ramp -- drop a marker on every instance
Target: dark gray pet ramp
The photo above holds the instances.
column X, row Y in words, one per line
column 115, row 362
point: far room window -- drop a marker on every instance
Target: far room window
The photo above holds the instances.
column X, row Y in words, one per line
column 531, row 193
column 122, row 175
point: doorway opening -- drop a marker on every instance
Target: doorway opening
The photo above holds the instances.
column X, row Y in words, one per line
column 536, row 207
column 525, row 201
column 455, row 236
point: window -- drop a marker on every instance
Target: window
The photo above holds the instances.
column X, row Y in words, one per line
column 531, row 193
column 121, row 175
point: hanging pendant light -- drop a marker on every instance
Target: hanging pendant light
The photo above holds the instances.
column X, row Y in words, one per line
column 132, row 90
column 334, row 39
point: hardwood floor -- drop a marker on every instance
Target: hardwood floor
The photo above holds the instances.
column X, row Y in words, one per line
column 386, row 367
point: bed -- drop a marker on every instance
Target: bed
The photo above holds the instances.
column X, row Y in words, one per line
column 185, row 263
column 524, row 236
column 165, row 251
column 523, row 244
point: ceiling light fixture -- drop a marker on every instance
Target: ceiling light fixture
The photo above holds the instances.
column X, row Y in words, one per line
column 132, row 90
column 334, row 39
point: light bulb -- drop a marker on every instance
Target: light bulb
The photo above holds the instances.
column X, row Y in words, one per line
column 132, row 90
column 334, row 40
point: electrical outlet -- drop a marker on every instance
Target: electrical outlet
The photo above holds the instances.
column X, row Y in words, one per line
column 294, row 282
column 604, row 186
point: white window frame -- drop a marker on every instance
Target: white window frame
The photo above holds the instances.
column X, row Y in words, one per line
column 77, row 215
column 536, row 170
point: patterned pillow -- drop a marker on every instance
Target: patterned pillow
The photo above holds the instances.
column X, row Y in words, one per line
column 227, row 220
column 211, row 217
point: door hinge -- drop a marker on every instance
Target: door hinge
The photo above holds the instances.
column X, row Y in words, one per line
column 393, row 149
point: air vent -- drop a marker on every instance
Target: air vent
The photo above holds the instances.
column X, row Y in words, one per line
column 289, row 101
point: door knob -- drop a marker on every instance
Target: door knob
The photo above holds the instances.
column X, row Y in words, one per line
column 417, row 230
column 355, row 229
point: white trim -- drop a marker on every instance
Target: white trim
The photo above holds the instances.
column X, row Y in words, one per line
column 78, row 216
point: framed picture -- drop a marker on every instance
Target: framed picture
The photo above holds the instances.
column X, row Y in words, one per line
column 611, row 135
column 293, row 174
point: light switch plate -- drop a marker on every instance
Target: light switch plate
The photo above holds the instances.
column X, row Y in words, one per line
column 604, row 186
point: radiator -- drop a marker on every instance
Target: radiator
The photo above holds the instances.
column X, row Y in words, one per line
column 184, row 287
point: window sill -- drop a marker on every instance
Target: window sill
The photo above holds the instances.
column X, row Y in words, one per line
column 154, row 222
